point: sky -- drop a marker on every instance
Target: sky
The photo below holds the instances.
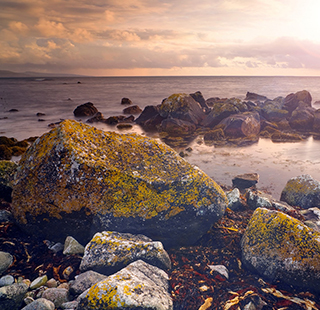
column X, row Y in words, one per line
column 160, row 37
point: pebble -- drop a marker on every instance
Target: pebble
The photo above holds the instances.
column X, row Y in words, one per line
column 220, row 269
column 6, row 260
column 6, row 280
column 72, row 246
column 51, row 283
column 40, row 281
column 40, row 304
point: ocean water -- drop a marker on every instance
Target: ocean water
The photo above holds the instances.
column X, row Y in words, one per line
column 276, row 163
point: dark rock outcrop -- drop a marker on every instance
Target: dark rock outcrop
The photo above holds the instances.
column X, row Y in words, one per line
column 86, row 109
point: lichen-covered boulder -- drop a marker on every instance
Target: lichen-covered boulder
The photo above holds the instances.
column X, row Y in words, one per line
column 11, row 296
column 7, row 171
column 77, row 180
column 280, row 247
column 302, row 191
column 138, row 286
column 182, row 106
column 110, row 251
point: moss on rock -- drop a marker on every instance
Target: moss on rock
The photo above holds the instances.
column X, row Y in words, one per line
column 281, row 247
column 118, row 179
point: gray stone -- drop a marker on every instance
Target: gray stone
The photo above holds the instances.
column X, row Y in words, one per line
column 108, row 252
column 57, row 295
column 312, row 218
column 6, row 280
column 234, row 198
column 84, row 281
column 221, row 269
column 72, row 246
column 6, row 260
column 70, row 305
column 257, row 199
column 40, row 304
column 5, row 216
column 11, row 296
column 138, row 286
column 302, row 191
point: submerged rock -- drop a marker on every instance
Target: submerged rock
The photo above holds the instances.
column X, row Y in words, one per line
column 77, row 180
column 138, row 286
column 281, row 247
column 302, row 191
column 110, row 251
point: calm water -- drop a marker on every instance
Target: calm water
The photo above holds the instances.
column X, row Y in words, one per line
column 58, row 97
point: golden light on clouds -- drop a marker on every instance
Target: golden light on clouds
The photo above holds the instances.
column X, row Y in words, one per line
column 179, row 37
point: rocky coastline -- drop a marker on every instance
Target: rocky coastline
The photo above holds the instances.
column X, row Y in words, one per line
column 97, row 220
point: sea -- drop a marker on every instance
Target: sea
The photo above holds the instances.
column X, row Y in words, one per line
column 57, row 97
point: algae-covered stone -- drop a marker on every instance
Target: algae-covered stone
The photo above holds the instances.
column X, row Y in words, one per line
column 138, row 286
column 110, row 251
column 281, row 247
column 302, row 191
column 77, row 180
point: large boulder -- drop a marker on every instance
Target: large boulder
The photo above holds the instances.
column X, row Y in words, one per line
column 242, row 125
column 302, row 191
column 86, row 109
column 197, row 96
column 110, row 251
column 302, row 118
column 280, row 247
column 292, row 101
column 77, row 180
column 138, row 286
column 150, row 118
column 182, row 106
column 175, row 126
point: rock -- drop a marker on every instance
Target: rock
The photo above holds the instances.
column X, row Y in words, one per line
column 124, row 126
column 279, row 136
column 5, row 216
column 316, row 121
column 51, row 283
column 183, row 107
column 234, row 198
column 57, row 295
column 86, row 109
column 40, row 114
column 254, row 97
column 302, row 191
column 280, row 247
column 292, row 101
column 132, row 110
column 98, row 117
column 108, row 252
column 312, row 218
column 214, row 135
column 150, row 118
column 40, row 281
column 242, row 125
column 197, row 96
column 11, row 296
column 126, row 101
column 40, row 304
column 70, row 305
column 6, row 280
column 132, row 184
column 177, row 127
column 13, row 110
column 246, row 180
column 5, row 152
column 138, row 286
column 302, row 119
column 272, row 110
column 6, row 260
column 84, row 281
column 72, row 246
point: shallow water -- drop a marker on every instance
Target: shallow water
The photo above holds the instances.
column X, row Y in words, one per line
column 276, row 163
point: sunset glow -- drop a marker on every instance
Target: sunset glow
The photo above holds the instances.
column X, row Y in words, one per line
column 221, row 37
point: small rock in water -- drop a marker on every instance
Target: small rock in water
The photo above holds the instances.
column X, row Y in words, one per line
column 246, row 180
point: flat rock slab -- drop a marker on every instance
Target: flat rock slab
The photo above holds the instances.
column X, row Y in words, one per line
column 246, row 180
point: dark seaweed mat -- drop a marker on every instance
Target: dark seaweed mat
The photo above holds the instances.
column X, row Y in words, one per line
column 190, row 271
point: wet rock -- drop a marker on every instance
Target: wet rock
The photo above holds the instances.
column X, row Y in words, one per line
column 6, row 280
column 214, row 135
column 98, row 117
column 40, row 114
column 138, row 286
column 242, row 125
column 316, row 121
column 175, row 126
column 6, row 260
column 126, row 101
column 272, row 111
column 84, row 281
column 40, row 304
column 7, row 171
column 108, row 252
column 302, row 191
column 246, row 180
column 72, row 246
column 11, row 296
column 57, row 295
column 150, row 118
column 280, row 247
column 197, row 96
column 254, row 97
column 235, row 200
column 124, row 126
column 132, row 110
column 83, row 180
column 183, row 107
column 86, row 109
column 302, row 119
column 279, row 136
column 292, row 101
column 5, row 152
